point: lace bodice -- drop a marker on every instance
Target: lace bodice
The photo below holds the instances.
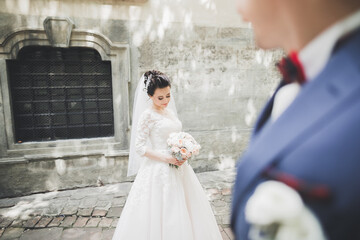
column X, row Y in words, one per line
column 154, row 129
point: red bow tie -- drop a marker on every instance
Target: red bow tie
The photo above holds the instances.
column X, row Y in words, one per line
column 291, row 69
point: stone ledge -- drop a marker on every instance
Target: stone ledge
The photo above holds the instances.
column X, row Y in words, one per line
column 42, row 157
column 5, row 161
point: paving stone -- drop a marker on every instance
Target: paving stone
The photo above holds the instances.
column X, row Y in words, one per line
column 73, row 202
column 81, row 222
column 99, row 213
column 106, row 197
column 42, row 234
column 93, row 222
column 37, row 212
column 96, row 201
column 5, row 222
column 82, row 234
column 17, row 223
column 107, row 234
column 122, row 190
column 63, row 198
column 212, row 191
column 54, row 209
column 226, row 191
column 105, row 222
column 221, row 210
column 227, row 199
column 44, row 221
column 224, row 235
column 46, row 196
column 77, row 197
column 229, row 233
column 216, row 197
column 90, row 191
column 118, row 202
column 88, row 202
column 31, row 222
column 114, row 212
column 64, row 194
column 69, row 210
column 218, row 219
column 213, row 194
column 225, row 219
column 8, row 202
column 103, row 205
column 85, row 212
column 68, row 221
column 115, row 222
column 29, row 198
column 12, row 233
column 218, row 203
column 59, row 199
column 56, row 221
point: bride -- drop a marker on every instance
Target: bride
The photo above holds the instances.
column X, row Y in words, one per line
column 165, row 203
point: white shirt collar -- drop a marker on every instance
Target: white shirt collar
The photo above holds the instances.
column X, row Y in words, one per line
column 323, row 44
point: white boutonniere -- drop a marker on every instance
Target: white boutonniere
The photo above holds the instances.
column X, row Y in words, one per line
column 277, row 212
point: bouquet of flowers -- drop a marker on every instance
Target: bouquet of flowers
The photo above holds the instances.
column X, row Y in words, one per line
column 182, row 146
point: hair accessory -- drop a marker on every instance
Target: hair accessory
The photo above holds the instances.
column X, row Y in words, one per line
column 148, row 80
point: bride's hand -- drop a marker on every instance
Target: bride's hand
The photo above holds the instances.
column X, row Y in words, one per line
column 182, row 162
column 171, row 159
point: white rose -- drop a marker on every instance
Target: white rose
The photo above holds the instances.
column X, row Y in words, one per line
column 271, row 202
column 275, row 203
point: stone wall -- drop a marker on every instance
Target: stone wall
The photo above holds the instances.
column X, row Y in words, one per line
column 220, row 83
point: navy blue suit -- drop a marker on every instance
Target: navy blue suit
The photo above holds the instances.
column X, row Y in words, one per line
column 317, row 140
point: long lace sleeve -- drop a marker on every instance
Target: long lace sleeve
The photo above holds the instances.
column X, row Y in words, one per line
column 143, row 132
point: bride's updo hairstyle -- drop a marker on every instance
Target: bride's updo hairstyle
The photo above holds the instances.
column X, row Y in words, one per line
column 155, row 79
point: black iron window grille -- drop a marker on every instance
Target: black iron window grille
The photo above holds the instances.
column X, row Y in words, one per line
column 60, row 93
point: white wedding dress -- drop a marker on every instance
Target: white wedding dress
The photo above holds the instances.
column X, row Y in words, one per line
column 164, row 203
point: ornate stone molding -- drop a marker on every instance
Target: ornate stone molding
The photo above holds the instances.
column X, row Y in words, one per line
column 21, row 37
column 58, row 30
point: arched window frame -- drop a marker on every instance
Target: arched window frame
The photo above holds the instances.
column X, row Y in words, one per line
column 119, row 56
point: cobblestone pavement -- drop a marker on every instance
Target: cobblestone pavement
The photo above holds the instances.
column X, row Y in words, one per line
column 92, row 213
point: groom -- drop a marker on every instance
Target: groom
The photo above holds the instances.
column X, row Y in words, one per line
column 308, row 135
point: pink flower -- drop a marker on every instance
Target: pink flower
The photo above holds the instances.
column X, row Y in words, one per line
column 184, row 151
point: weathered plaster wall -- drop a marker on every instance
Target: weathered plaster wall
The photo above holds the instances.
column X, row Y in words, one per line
column 220, row 80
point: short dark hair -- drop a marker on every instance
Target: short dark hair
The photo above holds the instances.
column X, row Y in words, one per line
column 155, row 79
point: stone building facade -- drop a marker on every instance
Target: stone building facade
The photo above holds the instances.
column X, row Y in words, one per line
column 220, row 81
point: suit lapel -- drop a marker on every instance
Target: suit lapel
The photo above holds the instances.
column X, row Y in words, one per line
column 317, row 101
